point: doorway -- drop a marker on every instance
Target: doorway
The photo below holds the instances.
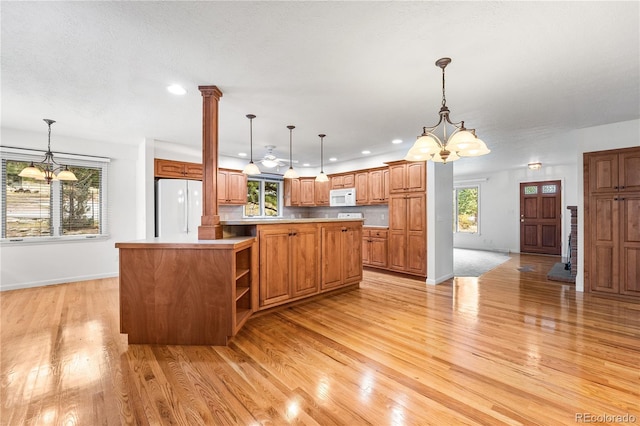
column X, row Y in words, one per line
column 540, row 217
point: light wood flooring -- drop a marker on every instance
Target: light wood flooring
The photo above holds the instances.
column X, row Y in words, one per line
column 507, row 348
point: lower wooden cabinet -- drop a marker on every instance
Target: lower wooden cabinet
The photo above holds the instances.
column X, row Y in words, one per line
column 186, row 293
column 408, row 233
column 375, row 250
column 341, row 255
column 289, row 263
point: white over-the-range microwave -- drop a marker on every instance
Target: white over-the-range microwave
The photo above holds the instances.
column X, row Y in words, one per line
column 342, row 197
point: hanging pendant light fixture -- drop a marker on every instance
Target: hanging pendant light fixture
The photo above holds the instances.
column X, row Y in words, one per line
column 48, row 167
column 290, row 174
column 462, row 142
column 251, row 168
column 321, row 176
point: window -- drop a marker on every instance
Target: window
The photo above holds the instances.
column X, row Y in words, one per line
column 33, row 210
column 264, row 198
column 466, row 210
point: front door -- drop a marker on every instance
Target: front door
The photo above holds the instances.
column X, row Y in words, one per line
column 540, row 217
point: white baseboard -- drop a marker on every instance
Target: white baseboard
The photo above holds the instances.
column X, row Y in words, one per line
column 18, row 286
column 440, row 280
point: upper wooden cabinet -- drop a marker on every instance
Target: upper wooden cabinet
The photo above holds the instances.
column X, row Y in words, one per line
column 177, row 169
column 307, row 191
column 362, row 187
column 232, row 187
column 407, row 177
column 345, row 180
column 617, row 170
column 378, row 186
column 291, row 192
column 322, row 193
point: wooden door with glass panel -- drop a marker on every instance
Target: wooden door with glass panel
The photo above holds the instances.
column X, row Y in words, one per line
column 540, row 217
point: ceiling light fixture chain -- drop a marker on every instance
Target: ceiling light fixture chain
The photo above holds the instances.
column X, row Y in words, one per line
column 290, row 173
column 462, row 142
column 47, row 168
column 322, row 177
column 251, row 168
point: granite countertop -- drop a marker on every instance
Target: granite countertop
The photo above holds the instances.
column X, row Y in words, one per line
column 376, row 226
column 285, row 220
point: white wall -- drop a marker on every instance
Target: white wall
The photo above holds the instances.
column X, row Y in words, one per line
column 28, row 265
column 439, row 222
column 500, row 205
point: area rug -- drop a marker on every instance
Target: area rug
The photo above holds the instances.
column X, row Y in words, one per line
column 473, row 263
column 558, row 273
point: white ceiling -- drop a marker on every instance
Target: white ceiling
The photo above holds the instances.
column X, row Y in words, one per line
column 361, row 72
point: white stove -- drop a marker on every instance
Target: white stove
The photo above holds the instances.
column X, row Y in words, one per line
column 350, row 216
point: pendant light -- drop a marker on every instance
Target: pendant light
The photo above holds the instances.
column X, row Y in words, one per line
column 48, row 167
column 321, row 176
column 290, row 174
column 251, row 168
column 462, row 142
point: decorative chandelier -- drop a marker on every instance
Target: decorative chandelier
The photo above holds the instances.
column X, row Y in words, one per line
column 251, row 168
column 321, row 176
column 48, row 167
column 462, row 142
column 290, row 173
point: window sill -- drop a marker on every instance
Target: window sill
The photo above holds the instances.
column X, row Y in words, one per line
column 51, row 240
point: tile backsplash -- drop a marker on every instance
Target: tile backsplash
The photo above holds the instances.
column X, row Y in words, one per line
column 373, row 215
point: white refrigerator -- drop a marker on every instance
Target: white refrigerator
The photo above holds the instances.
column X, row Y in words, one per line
column 178, row 208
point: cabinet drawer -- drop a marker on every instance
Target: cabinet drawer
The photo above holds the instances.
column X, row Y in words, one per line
column 383, row 233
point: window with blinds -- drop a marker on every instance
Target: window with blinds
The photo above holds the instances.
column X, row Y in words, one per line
column 33, row 210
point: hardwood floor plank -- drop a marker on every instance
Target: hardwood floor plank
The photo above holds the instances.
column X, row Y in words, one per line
column 509, row 347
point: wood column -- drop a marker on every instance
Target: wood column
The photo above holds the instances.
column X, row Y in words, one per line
column 210, row 228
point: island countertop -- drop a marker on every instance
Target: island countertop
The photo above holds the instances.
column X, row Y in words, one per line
column 188, row 243
column 282, row 220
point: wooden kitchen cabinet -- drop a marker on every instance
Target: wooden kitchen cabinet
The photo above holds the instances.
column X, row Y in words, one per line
column 378, row 186
column 375, row 247
column 322, row 193
column 289, row 263
column 362, row 187
column 408, row 233
column 186, row 293
column 612, row 222
column 344, row 180
column 292, row 192
column 232, row 187
column 307, row 191
column 613, row 171
column 407, row 177
column 177, row 169
column 341, row 254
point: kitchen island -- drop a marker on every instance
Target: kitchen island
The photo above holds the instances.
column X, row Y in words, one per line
column 201, row 292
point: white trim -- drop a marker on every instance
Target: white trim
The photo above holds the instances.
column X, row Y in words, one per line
column 440, row 280
column 65, row 280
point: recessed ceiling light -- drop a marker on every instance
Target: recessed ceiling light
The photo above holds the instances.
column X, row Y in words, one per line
column 306, row 165
column 333, row 159
column 242, row 154
column 366, row 151
column 396, row 141
column 176, row 89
